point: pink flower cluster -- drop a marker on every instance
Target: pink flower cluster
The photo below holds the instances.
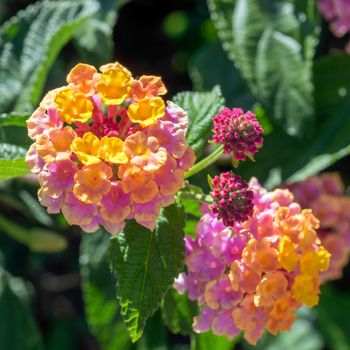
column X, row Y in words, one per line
column 239, row 132
column 233, row 202
column 338, row 13
column 324, row 194
column 253, row 276
column 107, row 149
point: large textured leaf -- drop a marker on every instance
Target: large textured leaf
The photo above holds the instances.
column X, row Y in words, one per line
column 145, row 264
column 201, row 108
column 205, row 75
column 95, row 38
column 18, row 329
column 98, row 285
column 178, row 312
column 284, row 158
column 29, row 44
column 273, row 51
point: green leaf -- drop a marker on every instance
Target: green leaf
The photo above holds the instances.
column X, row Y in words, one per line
column 98, row 284
column 333, row 313
column 18, row 329
column 145, row 264
column 29, row 45
column 299, row 158
column 37, row 239
column 209, row 341
column 201, row 108
column 10, row 168
column 206, row 76
column 332, row 83
column 178, row 312
column 13, row 119
column 273, row 50
column 95, row 38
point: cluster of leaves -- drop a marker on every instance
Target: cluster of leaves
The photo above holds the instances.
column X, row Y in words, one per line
column 268, row 58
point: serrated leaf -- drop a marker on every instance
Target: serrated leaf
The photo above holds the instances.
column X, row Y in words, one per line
column 178, row 312
column 201, row 108
column 98, row 284
column 10, row 168
column 145, row 264
column 29, row 44
column 273, row 50
column 18, row 328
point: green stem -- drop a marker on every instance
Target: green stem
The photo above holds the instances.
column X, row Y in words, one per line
column 204, row 163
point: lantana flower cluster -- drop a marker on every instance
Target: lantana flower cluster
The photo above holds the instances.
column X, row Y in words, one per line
column 107, row 148
column 254, row 275
column 324, row 194
column 338, row 13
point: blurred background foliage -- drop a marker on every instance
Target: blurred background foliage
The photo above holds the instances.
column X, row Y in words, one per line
column 278, row 59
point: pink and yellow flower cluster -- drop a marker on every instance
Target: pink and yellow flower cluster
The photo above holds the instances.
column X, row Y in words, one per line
column 324, row 194
column 107, row 148
column 254, row 275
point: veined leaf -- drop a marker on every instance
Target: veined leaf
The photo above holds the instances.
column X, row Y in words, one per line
column 145, row 264
column 273, row 50
column 201, row 108
column 29, row 44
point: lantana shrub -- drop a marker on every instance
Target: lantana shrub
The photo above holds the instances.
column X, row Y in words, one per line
column 108, row 150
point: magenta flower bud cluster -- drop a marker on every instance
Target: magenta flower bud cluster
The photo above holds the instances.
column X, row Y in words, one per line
column 239, row 132
column 233, row 201
column 324, row 194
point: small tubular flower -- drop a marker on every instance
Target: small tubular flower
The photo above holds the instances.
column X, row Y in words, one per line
column 233, row 202
column 324, row 194
column 239, row 132
column 255, row 274
column 113, row 86
column 73, row 106
column 106, row 148
column 146, row 111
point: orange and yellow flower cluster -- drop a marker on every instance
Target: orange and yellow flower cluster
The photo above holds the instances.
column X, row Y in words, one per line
column 324, row 194
column 107, row 148
column 254, row 275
